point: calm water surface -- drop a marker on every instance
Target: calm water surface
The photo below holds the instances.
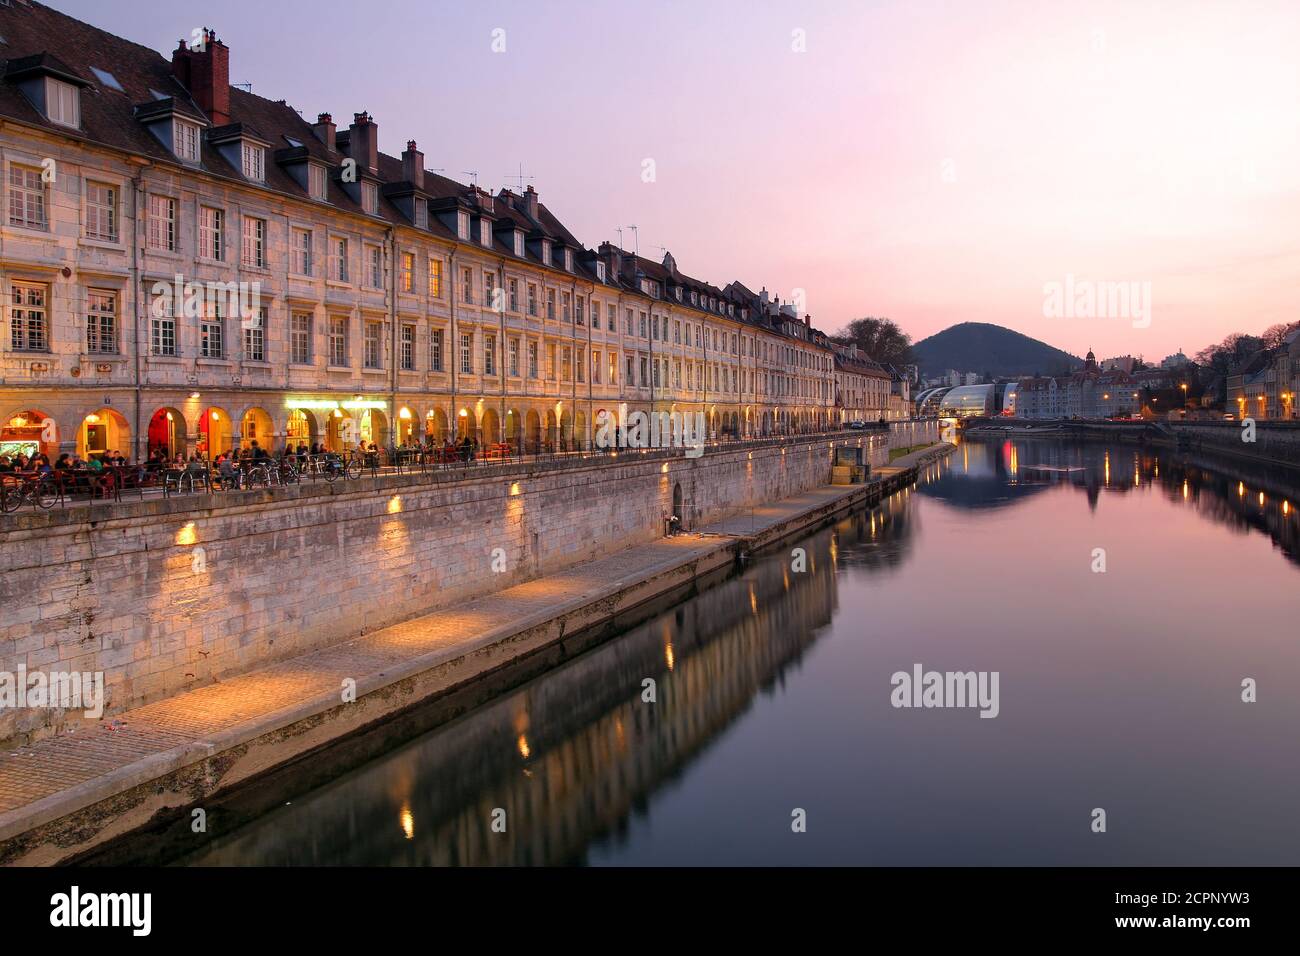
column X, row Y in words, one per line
column 1119, row 690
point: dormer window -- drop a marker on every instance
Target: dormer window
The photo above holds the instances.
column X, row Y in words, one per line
column 185, row 140
column 421, row 214
column 600, row 271
column 568, row 260
column 370, row 198
column 62, row 103
column 254, row 158
column 462, row 224
column 695, row 297
column 679, row 293
column 485, row 233
column 519, row 242
column 316, row 182
column 546, row 252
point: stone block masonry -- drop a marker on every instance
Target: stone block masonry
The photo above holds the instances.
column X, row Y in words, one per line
column 163, row 598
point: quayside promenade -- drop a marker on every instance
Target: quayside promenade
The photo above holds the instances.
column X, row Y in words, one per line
column 64, row 795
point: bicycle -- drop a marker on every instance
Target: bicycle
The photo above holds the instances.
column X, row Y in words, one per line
column 40, row 491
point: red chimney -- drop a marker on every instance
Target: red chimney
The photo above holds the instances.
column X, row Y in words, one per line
column 206, row 74
column 324, row 130
column 363, row 141
column 413, row 165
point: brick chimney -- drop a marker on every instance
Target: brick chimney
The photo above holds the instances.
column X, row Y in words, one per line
column 413, row 165
column 206, row 74
column 363, row 141
column 530, row 203
column 324, row 129
column 613, row 257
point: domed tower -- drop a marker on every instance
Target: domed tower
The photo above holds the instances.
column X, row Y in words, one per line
column 1090, row 362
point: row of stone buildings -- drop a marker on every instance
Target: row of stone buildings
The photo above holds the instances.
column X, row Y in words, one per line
column 189, row 267
column 1094, row 391
column 1264, row 386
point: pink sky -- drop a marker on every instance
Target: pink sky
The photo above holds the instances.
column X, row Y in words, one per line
column 932, row 162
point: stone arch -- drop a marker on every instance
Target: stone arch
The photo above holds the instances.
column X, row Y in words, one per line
column 435, row 426
column 214, row 433
column 167, row 432
column 25, row 430
column 406, row 422
column 532, row 431
column 301, row 427
column 489, row 427
column 256, row 426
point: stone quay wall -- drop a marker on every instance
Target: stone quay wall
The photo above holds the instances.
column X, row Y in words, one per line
column 165, row 595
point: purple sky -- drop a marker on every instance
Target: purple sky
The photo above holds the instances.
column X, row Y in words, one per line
column 933, row 162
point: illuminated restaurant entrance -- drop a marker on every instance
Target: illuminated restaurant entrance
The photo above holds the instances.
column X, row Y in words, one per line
column 23, row 433
column 167, row 432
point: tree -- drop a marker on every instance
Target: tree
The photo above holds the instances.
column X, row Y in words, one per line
column 881, row 339
column 1274, row 335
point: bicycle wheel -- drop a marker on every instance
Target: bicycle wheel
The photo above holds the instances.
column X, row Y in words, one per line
column 258, row 478
column 354, row 468
column 330, row 471
column 185, row 485
column 11, row 497
column 46, row 493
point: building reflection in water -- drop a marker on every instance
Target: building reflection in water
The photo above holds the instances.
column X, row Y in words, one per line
column 995, row 474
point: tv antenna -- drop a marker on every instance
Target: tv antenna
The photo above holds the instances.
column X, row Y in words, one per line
column 472, row 174
column 636, row 240
column 619, row 230
column 522, row 179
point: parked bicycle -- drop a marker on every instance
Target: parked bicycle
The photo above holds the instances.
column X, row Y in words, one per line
column 40, row 491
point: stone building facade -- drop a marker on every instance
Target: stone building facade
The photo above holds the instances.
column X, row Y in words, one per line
column 189, row 267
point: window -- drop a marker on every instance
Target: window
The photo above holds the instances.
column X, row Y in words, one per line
column 519, row 243
column 565, row 311
column 644, row 379
column 435, row 278
column 62, row 102
column 101, row 321
column 600, row 271
column 489, row 290
column 627, row 318
column 302, row 251
column 338, row 341
column 101, row 212
column 631, row 371
column 532, row 359
column 489, row 355
column 253, row 253
column 532, row 299
column 254, row 162
column 514, row 357
column 316, row 182
column 255, row 336
column 185, row 140
column 467, row 353
column 339, row 259
column 595, row 314
column 546, row 252
column 595, row 368
column 300, row 338
column 550, row 362
column 642, row 326
column 162, row 223
column 162, row 327
column 370, row 198
column 435, row 350
column 211, row 223
column 566, row 364
column 467, row 285
column 26, row 197
column 373, row 357
column 485, row 233
column 550, row 303
column 211, row 331
column 514, row 294
column 408, row 348
column 462, row 225
column 611, row 317
column 568, row 260
column 613, row 368
column 580, row 310
column 408, row 271
column 376, row 257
